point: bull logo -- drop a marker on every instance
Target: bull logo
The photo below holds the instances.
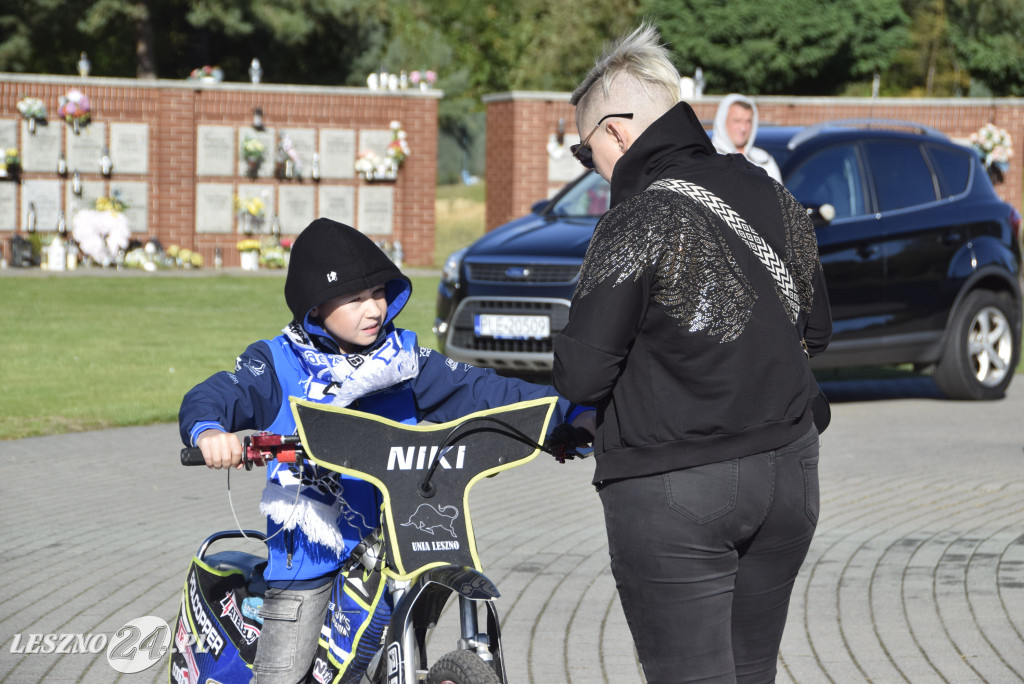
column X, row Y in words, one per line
column 425, row 518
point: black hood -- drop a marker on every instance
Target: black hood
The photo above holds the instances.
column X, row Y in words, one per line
column 330, row 259
column 674, row 146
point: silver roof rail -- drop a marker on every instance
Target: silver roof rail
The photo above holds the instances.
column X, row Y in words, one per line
column 812, row 131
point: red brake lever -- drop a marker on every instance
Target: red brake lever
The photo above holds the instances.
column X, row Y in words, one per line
column 263, row 446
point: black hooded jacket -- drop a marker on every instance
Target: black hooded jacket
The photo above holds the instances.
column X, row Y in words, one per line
column 676, row 330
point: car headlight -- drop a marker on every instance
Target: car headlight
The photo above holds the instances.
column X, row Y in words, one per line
column 452, row 266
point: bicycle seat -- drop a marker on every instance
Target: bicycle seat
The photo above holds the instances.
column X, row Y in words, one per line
column 250, row 566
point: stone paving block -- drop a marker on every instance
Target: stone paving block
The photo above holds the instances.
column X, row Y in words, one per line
column 915, row 543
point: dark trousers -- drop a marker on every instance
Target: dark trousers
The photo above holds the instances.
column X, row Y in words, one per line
column 705, row 558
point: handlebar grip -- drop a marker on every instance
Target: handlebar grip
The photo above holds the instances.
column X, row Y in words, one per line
column 192, row 456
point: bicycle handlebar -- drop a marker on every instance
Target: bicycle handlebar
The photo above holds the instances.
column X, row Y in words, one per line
column 192, row 456
column 263, row 446
column 257, row 449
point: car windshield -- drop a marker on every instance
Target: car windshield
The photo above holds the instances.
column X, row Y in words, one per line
column 588, row 197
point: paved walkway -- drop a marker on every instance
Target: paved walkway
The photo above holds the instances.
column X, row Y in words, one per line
column 916, row 573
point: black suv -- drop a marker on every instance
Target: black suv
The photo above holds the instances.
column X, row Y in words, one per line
column 921, row 256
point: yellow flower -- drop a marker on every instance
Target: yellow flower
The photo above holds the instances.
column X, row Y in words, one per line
column 249, row 245
column 254, row 206
column 112, row 204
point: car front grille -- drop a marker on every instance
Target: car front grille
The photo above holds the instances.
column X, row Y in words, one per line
column 462, row 343
column 522, row 273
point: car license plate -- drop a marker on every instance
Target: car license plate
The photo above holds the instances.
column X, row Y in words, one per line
column 504, row 327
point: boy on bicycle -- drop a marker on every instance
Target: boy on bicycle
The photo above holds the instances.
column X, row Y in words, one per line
column 341, row 348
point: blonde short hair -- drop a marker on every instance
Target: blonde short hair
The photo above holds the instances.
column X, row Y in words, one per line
column 635, row 73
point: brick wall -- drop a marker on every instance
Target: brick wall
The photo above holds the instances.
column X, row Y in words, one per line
column 175, row 109
column 520, row 124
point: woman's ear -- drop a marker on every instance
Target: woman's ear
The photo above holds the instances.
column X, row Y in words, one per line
column 621, row 132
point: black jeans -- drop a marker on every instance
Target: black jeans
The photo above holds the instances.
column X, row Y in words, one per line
column 705, row 558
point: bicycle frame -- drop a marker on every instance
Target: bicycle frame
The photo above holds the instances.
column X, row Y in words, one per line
column 424, row 473
column 424, row 548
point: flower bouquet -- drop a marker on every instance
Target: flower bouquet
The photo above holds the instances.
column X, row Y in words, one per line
column 249, row 252
column 32, row 109
column 251, row 213
column 253, row 152
column 207, row 74
column 183, row 257
column 11, row 166
column 371, row 166
column 425, row 78
column 398, row 149
column 274, row 253
column 995, row 147
column 102, row 232
column 75, row 109
column 152, row 256
column 112, row 204
column 289, row 162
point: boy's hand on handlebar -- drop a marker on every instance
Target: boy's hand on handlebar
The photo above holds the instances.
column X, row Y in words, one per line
column 564, row 439
column 220, row 449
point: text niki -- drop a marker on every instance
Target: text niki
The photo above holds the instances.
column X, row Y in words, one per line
column 409, row 458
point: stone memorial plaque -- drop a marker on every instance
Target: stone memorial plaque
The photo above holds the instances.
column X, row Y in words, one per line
column 215, row 151
column 296, row 207
column 562, row 166
column 44, row 197
column 304, row 142
column 338, row 203
column 8, row 203
column 91, row 191
column 215, row 210
column 129, row 147
column 9, row 134
column 337, row 153
column 376, row 209
column 40, row 151
column 266, row 137
column 85, row 149
column 375, row 140
column 136, row 195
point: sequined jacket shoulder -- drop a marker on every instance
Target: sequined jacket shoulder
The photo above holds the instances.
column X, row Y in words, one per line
column 681, row 245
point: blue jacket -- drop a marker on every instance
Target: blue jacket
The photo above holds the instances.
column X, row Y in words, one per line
column 253, row 397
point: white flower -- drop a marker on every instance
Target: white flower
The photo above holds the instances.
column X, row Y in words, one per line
column 993, row 144
column 101, row 234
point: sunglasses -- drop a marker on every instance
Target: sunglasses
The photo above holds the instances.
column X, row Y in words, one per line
column 582, row 150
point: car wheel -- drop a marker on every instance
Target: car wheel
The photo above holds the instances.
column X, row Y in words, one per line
column 980, row 353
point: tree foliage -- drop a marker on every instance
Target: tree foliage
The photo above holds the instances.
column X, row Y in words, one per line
column 801, row 47
column 927, row 65
column 812, row 47
column 785, row 46
column 989, row 39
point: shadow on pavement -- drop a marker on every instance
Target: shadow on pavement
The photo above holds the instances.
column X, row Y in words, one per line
column 920, row 387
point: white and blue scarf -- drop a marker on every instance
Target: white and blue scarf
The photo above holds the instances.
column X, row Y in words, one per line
column 338, row 380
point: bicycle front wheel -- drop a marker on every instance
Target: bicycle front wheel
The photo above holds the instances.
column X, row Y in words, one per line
column 461, row 667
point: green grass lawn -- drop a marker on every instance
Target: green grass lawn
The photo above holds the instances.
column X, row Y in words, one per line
column 88, row 352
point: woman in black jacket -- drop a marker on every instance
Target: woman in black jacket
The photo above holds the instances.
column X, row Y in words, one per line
column 698, row 295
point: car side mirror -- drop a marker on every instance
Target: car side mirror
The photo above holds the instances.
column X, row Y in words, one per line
column 538, row 207
column 821, row 215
